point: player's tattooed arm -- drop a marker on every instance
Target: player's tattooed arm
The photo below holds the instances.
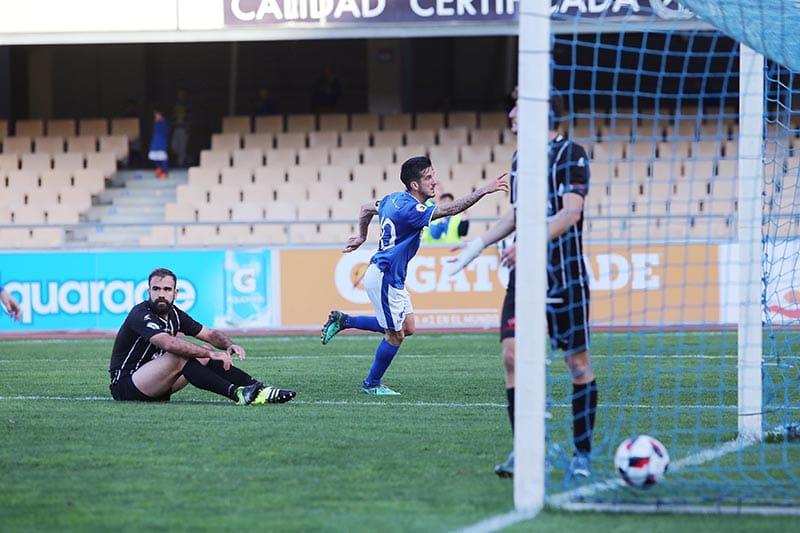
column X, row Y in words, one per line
column 219, row 340
column 465, row 202
column 364, row 219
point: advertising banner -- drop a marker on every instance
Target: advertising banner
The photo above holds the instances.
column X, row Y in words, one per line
column 647, row 285
column 95, row 290
column 272, row 12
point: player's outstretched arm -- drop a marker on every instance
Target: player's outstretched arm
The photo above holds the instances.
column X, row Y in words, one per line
column 182, row 348
column 465, row 202
column 217, row 339
column 473, row 248
column 364, row 218
column 11, row 305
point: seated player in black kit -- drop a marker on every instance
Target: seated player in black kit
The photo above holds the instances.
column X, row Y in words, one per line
column 149, row 362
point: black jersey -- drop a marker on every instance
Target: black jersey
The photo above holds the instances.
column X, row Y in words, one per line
column 132, row 346
column 568, row 173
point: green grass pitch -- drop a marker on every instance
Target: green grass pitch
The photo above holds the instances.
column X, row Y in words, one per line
column 337, row 460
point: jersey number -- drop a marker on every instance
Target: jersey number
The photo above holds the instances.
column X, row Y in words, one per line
column 388, row 234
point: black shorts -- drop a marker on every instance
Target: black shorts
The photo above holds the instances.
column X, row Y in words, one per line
column 567, row 322
column 125, row 391
column 507, row 314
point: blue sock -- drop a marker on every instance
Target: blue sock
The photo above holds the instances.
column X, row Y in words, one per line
column 383, row 358
column 367, row 323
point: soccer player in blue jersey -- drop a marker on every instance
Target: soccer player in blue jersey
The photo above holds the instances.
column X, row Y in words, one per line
column 402, row 217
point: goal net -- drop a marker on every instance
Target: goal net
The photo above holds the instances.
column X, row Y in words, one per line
column 690, row 230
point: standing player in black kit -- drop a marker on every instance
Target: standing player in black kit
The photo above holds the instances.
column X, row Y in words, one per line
column 149, row 362
column 567, row 283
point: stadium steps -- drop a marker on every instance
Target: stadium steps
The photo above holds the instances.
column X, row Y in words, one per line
column 134, row 200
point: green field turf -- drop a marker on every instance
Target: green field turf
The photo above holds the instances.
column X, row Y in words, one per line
column 336, row 460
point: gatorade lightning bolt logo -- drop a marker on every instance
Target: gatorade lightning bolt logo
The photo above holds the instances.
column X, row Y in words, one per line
column 792, row 305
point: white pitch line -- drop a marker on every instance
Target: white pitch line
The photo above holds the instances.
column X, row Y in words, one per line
column 496, row 523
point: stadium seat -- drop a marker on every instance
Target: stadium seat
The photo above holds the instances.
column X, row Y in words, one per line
column 37, row 162
column 402, row 153
column 683, row 128
column 235, row 177
column 224, row 195
column 333, row 122
column 77, row 199
column 334, row 174
column 49, row 145
column 16, row 197
column 323, row 139
column 675, row 150
column 17, row 145
column 116, row 145
column 259, row 141
column 280, row 211
column 236, row 124
column 390, row 139
column 393, row 174
column 251, row 158
column 462, row 119
column 226, row 141
column 378, row 155
column 82, row 145
column 612, row 151
column 177, row 212
column 94, row 127
column 106, row 163
column 42, row 198
column 247, row 212
column 488, row 207
column 493, row 119
column 282, row 157
column 3, row 130
column 61, row 214
column 214, row 159
column 641, row 151
column 29, row 128
column 508, row 137
column 397, row 121
column 268, row 124
column 197, row 235
column 429, row 121
column 61, row 128
column 89, row 180
column 466, row 173
column 232, row 234
column 8, row 162
column 204, row 177
column 666, row 170
column 368, row 175
column 160, row 235
column 503, row 153
column 28, row 214
column 447, row 155
column 293, row 140
column 488, row 136
column 5, row 217
column 346, row 157
column 337, row 233
column 301, row 123
column 313, row 210
column 357, row 139
column 269, row 176
column 492, row 170
column 420, row 136
column 128, row 126
column 303, row 175
column 217, row 211
column 259, row 194
column 453, row 136
column 68, row 162
column 381, row 189
column 265, row 234
column 304, row 233
column 480, row 153
column 313, row 156
column 365, row 122
column 291, row 193
column 187, row 194
column 347, row 211
column 329, row 192
column 56, row 180
column 45, row 238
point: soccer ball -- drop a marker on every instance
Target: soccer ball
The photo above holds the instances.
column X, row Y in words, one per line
column 641, row 461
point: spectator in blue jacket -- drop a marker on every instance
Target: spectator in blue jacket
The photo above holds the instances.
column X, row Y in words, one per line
column 159, row 145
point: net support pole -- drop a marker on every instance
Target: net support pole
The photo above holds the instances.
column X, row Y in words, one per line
column 751, row 127
column 533, row 109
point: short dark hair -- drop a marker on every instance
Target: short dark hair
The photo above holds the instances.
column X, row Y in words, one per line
column 162, row 273
column 446, row 195
column 413, row 168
